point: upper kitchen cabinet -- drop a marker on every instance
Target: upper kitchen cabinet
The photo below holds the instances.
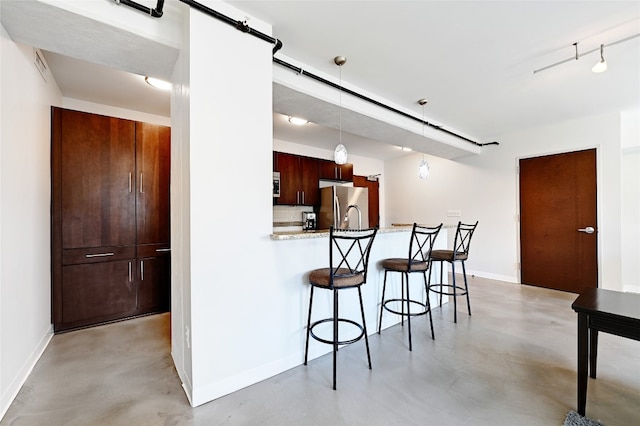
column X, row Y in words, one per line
column 298, row 179
column 329, row 170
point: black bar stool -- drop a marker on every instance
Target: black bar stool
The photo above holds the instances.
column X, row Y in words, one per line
column 348, row 261
column 460, row 253
column 420, row 246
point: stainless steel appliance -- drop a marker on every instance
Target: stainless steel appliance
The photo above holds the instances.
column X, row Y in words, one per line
column 308, row 221
column 276, row 184
column 344, row 207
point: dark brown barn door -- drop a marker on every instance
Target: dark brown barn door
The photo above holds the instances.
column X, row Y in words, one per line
column 374, row 198
column 558, row 217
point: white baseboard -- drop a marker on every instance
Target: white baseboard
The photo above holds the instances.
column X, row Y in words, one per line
column 21, row 376
column 631, row 288
column 209, row 392
column 185, row 379
column 497, row 277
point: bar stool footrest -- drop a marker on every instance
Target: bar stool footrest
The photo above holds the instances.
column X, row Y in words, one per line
column 424, row 311
column 339, row 342
column 448, row 289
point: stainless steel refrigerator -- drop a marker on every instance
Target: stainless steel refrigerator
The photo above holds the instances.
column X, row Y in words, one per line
column 344, row 207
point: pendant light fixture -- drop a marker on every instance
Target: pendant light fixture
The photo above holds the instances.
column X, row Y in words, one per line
column 340, row 153
column 601, row 66
column 423, row 166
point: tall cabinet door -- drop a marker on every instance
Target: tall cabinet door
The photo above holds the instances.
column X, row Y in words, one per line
column 153, row 165
column 153, row 157
column 96, row 185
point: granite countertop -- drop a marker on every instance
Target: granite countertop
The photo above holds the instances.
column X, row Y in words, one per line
column 303, row 235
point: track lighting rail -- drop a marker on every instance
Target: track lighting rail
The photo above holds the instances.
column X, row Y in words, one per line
column 245, row 28
column 580, row 55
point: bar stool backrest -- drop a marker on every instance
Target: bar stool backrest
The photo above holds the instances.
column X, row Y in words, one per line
column 421, row 244
column 462, row 240
column 349, row 252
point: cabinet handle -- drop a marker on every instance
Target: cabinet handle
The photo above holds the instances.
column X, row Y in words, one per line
column 130, row 181
column 297, row 197
column 130, row 278
column 99, row 255
column 340, row 172
column 302, row 197
column 141, row 183
column 167, row 249
column 335, row 172
column 142, row 270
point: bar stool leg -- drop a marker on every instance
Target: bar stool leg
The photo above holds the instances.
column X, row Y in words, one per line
column 335, row 334
column 428, row 302
column 402, row 299
column 364, row 326
column 408, row 309
column 306, row 346
column 455, row 298
column 466, row 287
column 441, row 289
column 384, row 288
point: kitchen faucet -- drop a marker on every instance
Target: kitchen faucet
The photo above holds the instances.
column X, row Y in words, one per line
column 346, row 215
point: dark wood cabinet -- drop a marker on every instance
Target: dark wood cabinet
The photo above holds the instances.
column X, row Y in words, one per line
column 153, row 162
column 374, row 198
column 97, row 162
column 98, row 291
column 110, row 218
column 298, row 179
column 329, row 170
column 154, row 277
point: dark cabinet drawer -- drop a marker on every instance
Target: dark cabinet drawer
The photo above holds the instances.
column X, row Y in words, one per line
column 153, row 250
column 97, row 255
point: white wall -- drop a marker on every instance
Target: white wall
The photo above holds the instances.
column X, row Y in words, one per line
column 229, row 171
column 25, row 283
column 630, row 208
column 485, row 188
column 180, row 220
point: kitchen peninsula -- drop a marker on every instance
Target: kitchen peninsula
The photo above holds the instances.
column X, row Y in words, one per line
column 297, row 253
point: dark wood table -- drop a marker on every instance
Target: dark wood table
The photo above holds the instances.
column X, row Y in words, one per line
column 607, row 311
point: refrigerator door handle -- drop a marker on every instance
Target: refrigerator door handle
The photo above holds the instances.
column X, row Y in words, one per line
column 336, row 209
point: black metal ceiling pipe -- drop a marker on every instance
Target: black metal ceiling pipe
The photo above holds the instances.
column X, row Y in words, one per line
column 373, row 101
column 156, row 13
column 239, row 25
column 242, row 26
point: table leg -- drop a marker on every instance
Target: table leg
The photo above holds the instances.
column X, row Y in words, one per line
column 583, row 360
column 593, row 352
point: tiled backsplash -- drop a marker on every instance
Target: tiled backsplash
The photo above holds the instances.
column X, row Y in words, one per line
column 288, row 218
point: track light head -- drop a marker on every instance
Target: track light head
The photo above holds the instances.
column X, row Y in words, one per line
column 601, row 66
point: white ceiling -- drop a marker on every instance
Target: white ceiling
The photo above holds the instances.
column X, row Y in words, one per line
column 473, row 61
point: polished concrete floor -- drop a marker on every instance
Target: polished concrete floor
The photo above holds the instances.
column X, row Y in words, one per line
column 512, row 363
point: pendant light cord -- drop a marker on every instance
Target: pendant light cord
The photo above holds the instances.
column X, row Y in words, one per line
column 340, row 100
